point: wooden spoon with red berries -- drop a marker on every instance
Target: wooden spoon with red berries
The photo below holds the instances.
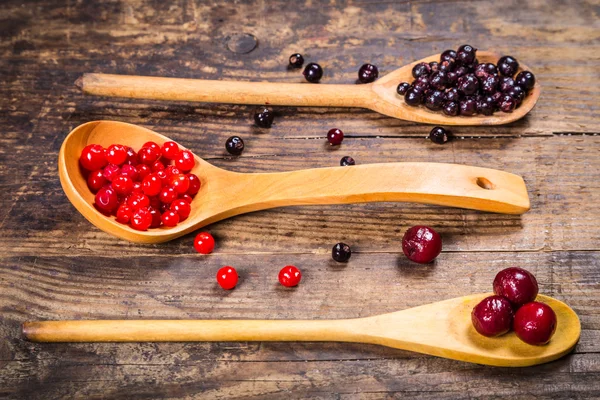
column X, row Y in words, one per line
column 379, row 96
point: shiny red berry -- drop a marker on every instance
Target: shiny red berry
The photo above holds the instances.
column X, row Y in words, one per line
column 138, row 200
column 96, row 180
column 188, row 199
column 227, row 277
column 92, row 157
column 493, row 316
column 141, row 219
column 170, row 150
column 123, row 185
column 124, row 213
column 111, row 171
column 156, row 217
column 131, row 171
column 132, row 157
column 335, row 137
column 517, row 285
column 180, row 183
column 185, row 160
column 116, row 154
column 167, row 195
column 158, row 166
column 152, row 185
column 137, row 187
column 149, row 155
column 182, row 208
column 171, row 170
column 204, row 243
column 170, row 218
column 289, row 276
column 152, row 145
column 535, row 323
column 194, row 184
column 421, row 244
column 143, row 171
column 106, row 200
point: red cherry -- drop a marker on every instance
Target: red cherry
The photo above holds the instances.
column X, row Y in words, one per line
column 493, row 316
column 143, row 171
column 421, row 244
column 535, row 323
column 152, row 145
column 92, row 157
column 182, row 208
column 171, row 170
column 149, row 155
column 170, row 218
column 167, row 195
column 289, row 276
column 124, row 213
column 204, row 243
column 185, row 160
column 170, row 150
column 123, row 185
column 517, row 285
column 188, row 199
column 151, row 185
column 106, row 200
column 227, row 277
column 111, row 171
column 132, row 157
column 96, row 180
column 116, row 154
column 141, row 219
column 163, row 177
column 138, row 200
column 137, row 187
column 130, row 171
column 156, row 217
column 158, row 166
column 180, row 183
column 194, row 184
column 335, row 136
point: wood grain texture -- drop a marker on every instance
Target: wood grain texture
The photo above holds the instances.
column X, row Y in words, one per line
column 55, row 265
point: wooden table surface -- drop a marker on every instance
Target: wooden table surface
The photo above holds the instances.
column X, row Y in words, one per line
column 55, row 265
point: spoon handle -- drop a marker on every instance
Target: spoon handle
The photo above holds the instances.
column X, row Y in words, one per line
column 452, row 185
column 233, row 92
column 189, row 330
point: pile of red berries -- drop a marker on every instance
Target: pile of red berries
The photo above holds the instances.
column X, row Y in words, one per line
column 513, row 306
column 147, row 189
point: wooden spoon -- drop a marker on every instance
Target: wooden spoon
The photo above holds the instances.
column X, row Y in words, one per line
column 441, row 329
column 224, row 193
column 378, row 96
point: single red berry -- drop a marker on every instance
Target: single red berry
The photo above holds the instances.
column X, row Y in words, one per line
column 123, row 185
column 194, row 184
column 156, row 217
column 130, row 171
column 116, row 154
column 493, row 316
column 171, row 170
column 180, row 183
column 167, row 195
column 170, row 150
column 185, row 160
column 149, row 155
column 132, row 157
column 182, row 208
column 335, row 136
column 152, row 145
column 188, row 199
column 111, row 171
column 170, row 218
column 289, row 276
column 92, row 157
column 204, row 243
column 106, row 200
column 143, row 171
column 227, row 277
column 163, row 177
column 421, row 244
column 137, row 187
column 158, row 166
column 517, row 285
column 141, row 219
column 535, row 323
column 151, row 185
column 124, row 213
column 138, row 200
column 96, row 180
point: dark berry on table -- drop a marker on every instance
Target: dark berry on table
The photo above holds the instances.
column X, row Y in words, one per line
column 435, row 100
column 519, row 286
column 535, row 323
column 421, row 69
column 489, row 84
column 346, row 161
column 141, row 219
column 450, row 108
column 204, row 243
column 368, row 73
column 438, row 80
column 421, row 244
column 507, row 103
column 289, row 276
column 448, row 55
column 493, row 316
column 526, row 80
column 452, row 94
column 264, row 117
column 92, row 157
column 439, row 135
column 434, row 65
column 116, row 154
column 296, row 60
column 96, row 180
column 468, row 84
column 485, row 69
column 335, row 136
column 234, row 145
column 466, row 54
column 227, row 277
column 313, row 72
column 468, row 107
column 413, row 97
column 341, row 252
column 508, row 66
column 403, row 88
column 506, row 83
column 185, row 161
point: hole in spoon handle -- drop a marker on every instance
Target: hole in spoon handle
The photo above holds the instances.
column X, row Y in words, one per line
column 485, row 183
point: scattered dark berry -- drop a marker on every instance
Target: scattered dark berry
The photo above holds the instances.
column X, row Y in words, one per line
column 439, row 135
column 347, row 160
column 335, row 136
column 264, row 118
column 234, row 145
column 368, row 73
column 341, row 252
column 296, row 60
column 313, row 72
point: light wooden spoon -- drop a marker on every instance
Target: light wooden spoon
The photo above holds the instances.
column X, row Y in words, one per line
column 224, row 194
column 441, row 329
column 379, row 96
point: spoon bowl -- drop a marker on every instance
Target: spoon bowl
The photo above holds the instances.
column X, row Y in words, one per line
column 442, row 329
column 378, row 96
column 224, row 193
